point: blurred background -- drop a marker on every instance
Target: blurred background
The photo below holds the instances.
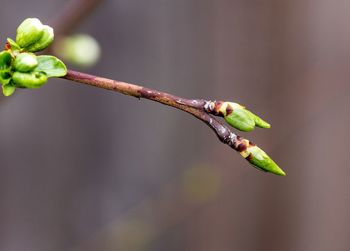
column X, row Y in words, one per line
column 86, row 169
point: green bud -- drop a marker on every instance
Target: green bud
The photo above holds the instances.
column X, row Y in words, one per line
column 258, row 121
column 259, row 159
column 29, row 31
column 240, row 120
column 80, row 49
column 29, row 80
column 8, row 90
column 44, row 41
column 239, row 117
column 25, row 62
column 5, row 60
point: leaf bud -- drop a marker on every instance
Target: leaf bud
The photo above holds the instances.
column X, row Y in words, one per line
column 29, row 31
column 236, row 115
column 29, row 80
column 257, row 157
column 44, row 42
column 25, row 62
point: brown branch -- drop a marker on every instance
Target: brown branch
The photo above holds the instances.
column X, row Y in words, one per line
column 197, row 107
column 192, row 106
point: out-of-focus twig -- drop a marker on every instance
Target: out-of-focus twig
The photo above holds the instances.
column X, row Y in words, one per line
column 72, row 14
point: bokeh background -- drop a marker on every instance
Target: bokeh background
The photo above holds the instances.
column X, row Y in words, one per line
column 86, row 169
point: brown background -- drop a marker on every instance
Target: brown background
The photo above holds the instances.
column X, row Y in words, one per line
column 87, row 169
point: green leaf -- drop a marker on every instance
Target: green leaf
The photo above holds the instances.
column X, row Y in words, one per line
column 8, row 90
column 13, row 44
column 51, row 66
column 5, row 60
column 5, row 77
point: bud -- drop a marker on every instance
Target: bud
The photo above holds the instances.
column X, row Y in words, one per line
column 258, row 121
column 257, row 157
column 240, row 120
column 29, row 80
column 5, row 60
column 44, row 42
column 29, row 32
column 80, row 49
column 25, row 62
column 236, row 115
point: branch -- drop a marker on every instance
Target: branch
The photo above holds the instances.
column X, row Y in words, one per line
column 194, row 107
column 197, row 107
column 20, row 69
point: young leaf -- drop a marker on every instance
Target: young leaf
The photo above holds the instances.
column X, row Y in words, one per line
column 13, row 44
column 5, row 77
column 8, row 90
column 51, row 66
column 5, row 60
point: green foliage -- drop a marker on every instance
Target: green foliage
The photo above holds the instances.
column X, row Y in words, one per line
column 52, row 66
column 20, row 67
column 5, row 60
column 13, row 45
column 8, row 89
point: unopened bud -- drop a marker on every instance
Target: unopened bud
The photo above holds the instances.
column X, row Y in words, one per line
column 259, row 122
column 29, row 32
column 25, row 62
column 240, row 119
column 44, row 42
column 29, row 80
column 80, row 49
column 236, row 115
column 257, row 157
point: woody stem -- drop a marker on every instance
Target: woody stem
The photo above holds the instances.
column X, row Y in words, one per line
column 196, row 107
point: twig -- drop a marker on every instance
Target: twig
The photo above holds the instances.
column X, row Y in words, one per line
column 72, row 14
column 196, row 107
